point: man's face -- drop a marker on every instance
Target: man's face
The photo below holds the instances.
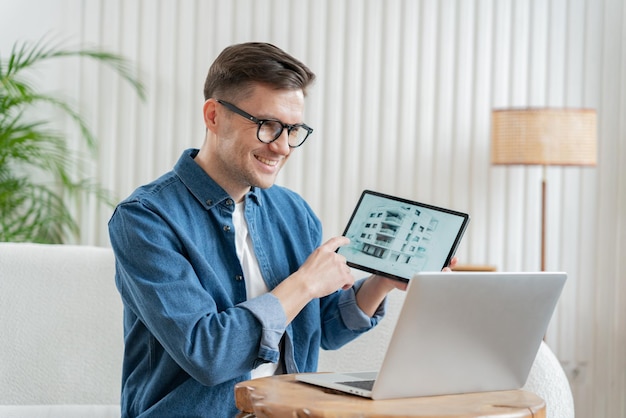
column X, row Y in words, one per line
column 243, row 161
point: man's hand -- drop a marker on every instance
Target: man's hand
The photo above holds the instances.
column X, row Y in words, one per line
column 453, row 262
column 324, row 272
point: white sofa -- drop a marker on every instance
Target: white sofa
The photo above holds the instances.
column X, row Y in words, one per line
column 62, row 344
column 548, row 380
column 61, row 325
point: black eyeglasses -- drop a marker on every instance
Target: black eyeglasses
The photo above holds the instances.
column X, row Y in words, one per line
column 269, row 130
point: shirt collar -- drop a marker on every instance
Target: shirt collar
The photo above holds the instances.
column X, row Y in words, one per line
column 201, row 185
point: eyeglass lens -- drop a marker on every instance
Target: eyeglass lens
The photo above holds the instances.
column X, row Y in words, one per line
column 270, row 130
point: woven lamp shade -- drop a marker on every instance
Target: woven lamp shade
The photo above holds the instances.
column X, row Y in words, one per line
column 544, row 136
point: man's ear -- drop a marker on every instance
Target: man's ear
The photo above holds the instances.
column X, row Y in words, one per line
column 210, row 114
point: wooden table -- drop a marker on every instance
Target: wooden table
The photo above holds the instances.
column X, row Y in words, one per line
column 282, row 396
column 473, row 267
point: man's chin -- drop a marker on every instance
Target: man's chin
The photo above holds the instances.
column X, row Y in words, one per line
column 265, row 184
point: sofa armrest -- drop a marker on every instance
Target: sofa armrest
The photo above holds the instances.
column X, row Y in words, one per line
column 60, row 411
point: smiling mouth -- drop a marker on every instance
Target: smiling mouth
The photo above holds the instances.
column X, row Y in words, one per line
column 265, row 161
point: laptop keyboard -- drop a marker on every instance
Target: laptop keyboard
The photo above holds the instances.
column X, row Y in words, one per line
column 361, row 384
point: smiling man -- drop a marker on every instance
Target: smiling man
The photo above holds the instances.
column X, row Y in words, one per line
column 223, row 274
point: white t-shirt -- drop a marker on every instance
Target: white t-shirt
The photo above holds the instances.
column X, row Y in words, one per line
column 255, row 285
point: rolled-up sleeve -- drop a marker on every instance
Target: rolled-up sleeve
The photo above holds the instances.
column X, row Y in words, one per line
column 354, row 318
column 270, row 313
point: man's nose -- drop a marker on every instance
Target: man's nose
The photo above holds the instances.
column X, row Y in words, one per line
column 281, row 144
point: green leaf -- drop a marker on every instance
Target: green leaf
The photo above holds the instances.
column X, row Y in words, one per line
column 40, row 176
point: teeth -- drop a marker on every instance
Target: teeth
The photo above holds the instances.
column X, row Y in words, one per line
column 266, row 161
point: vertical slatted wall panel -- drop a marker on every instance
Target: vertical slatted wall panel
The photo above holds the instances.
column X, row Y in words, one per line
column 610, row 328
column 618, row 347
column 402, row 105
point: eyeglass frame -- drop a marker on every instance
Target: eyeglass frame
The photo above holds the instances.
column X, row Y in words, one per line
column 260, row 123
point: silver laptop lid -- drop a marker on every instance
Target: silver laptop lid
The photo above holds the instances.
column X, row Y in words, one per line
column 461, row 332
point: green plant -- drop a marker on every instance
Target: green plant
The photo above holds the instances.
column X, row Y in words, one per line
column 39, row 173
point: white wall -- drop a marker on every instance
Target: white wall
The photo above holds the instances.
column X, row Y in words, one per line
column 402, row 105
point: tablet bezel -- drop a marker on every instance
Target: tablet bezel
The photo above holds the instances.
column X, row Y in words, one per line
column 459, row 233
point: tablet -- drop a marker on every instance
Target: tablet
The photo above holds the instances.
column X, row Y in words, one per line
column 396, row 237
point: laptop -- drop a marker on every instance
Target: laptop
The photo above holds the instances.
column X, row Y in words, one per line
column 459, row 332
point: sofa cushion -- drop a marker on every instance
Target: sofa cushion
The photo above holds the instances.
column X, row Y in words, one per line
column 60, row 411
column 62, row 340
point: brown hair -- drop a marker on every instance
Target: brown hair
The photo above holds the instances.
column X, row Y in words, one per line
column 240, row 66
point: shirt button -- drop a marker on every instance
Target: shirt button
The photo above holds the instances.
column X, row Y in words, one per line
column 229, row 202
column 226, row 228
column 209, row 202
column 239, row 277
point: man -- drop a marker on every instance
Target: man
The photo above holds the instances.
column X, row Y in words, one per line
column 223, row 274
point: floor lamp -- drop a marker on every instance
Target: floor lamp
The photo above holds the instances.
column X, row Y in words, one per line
column 543, row 136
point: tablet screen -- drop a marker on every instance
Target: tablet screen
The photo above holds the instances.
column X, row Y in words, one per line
column 397, row 238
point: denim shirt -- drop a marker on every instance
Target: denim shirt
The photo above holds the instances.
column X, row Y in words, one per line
column 190, row 334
